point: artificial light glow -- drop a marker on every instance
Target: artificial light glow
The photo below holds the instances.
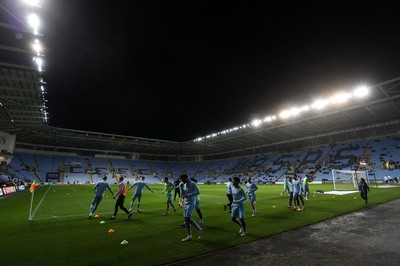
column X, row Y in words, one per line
column 37, row 47
column 284, row 114
column 32, row 2
column 361, row 91
column 294, row 111
column 256, row 122
column 340, row 98
column 39, row 62
column 34, row 22
column 319, row 104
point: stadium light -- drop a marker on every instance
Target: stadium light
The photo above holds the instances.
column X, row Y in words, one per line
column 361, row 91
column 37, row 47
column 34, row 23
column 319, row 104
column 340, row 98
column 32, row 2
column 39, row 63
column 256, row 122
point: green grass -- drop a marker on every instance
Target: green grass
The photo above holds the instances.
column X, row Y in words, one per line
column 61, row 233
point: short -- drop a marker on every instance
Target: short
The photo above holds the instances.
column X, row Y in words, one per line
column 169, row 197
column 138, row 196
column 305, row 188
column 97, row 199
column 197, row 205
column 252, row 197
column 188, row 209
column 237, row 210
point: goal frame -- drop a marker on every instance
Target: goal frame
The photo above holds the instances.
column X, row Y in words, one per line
column 354, row 180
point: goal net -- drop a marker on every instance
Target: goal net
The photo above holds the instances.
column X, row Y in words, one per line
column 347, row 179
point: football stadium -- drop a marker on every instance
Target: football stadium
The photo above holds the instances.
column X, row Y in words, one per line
column 48, row 175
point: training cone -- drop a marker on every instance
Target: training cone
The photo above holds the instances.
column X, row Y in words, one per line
column 102, row 222
column 111, row 231
column 97, row 216
column 124, row 242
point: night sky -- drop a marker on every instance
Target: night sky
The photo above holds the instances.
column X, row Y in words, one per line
column 181, row 70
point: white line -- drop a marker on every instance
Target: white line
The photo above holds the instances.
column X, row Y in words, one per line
column 37, row 207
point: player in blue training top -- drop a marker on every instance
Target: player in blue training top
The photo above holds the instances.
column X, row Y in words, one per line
column 140, row 185
column 189, row 192
column 251, row 188
column 286, row 186
column 239, row 196
column 297, row 193
column 99, row 190
column 197, row 208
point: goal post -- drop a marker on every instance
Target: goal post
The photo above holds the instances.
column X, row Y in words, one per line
column 347, row 179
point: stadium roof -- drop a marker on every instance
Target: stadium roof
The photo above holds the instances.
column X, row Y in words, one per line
column 21, row 114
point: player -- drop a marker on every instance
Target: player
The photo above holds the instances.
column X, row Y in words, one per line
column 169, row 187
column 286, row 186
column 229, row 194
column 121, row 198
column 306, row 189
column 189, row 192
column 239, row 197
column 197, row 208
column 291, row 188
column 99, row 190
column 140, row 185
column 297, row 193
column 364, row 189
column 177, row 183
column 251, row 188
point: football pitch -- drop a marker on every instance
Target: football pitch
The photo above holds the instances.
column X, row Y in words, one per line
column 60, row 232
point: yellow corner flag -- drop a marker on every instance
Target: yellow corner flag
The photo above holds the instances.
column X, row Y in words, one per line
column 32, row 187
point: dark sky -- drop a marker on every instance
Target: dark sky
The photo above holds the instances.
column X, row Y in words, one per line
column 180, row 70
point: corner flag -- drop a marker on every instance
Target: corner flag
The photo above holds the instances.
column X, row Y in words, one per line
column 32, row 187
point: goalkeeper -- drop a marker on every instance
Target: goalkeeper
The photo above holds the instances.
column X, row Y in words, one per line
column 364, row 189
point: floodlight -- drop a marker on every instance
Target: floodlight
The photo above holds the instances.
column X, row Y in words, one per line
column 34, row 22
column 361, row 91
column 284, row 114
column 319, row 104
column 37, row 47
column 268, row 118
column 32, row 2
column 340, row 98
column 256, row 122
